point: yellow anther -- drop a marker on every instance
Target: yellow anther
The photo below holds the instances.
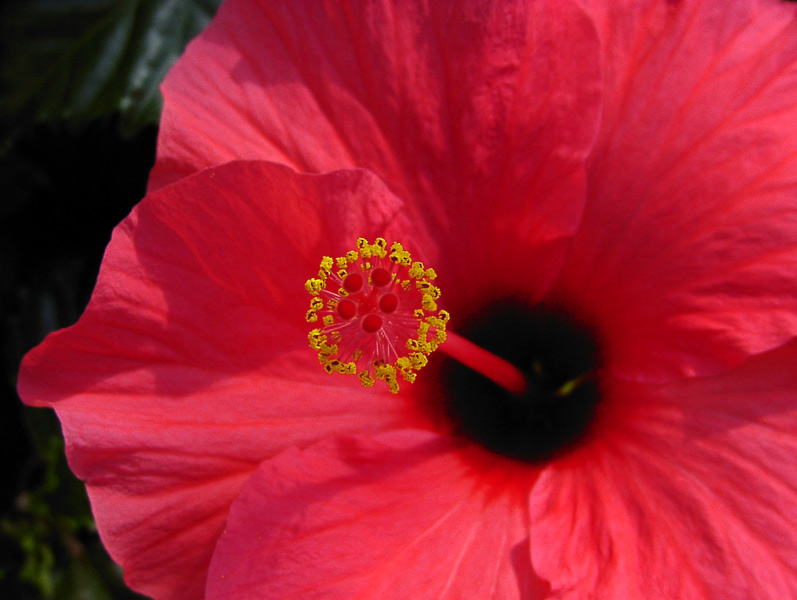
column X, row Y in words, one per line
column 314, row 286
column 328, row 320
column 399, row 255
column 316, row 338
column 325, row 353
column 418, row 346
column 327, row 349
column 423, row 328
column 333, row 366
column 408, row 376
column 326, row 267
column 427, row 288
column 379, row 247
column 349, row 368
column 428, row 303
column 366, row 379
column 387, row 373
column 311, row 316
column 418, row 360
column 364, row 247
column 416, row 271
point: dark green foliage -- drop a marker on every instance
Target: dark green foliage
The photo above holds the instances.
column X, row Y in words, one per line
column 80, row 59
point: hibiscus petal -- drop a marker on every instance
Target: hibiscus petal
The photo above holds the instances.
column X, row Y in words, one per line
column 688, row 491
column 402, row 515
column 688, row 250
column 191, row 363
column 479, row 115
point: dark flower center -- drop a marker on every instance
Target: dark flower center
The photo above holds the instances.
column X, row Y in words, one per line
column 560, row 359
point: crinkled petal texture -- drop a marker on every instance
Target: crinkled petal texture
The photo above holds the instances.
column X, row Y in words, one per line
column 687, row 254
column 689, row 490
column 190, row 365
column 478, row 114
column 404, row 515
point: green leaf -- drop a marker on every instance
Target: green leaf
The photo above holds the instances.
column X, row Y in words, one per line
column 76, row 60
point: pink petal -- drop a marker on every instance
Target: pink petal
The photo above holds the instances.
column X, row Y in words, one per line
column 190, row 364
column 403, row 515
column 689, row 491
column 688, row 250
column 479, row 115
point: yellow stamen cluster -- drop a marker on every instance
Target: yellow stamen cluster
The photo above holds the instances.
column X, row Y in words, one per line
column 379, row 314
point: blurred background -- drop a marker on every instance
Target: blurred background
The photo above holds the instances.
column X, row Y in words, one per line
column 79, row 108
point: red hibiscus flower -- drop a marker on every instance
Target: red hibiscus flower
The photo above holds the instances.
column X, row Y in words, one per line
column 608, row 195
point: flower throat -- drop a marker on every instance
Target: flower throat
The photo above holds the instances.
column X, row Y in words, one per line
column 523, row 384
column 560, row 361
